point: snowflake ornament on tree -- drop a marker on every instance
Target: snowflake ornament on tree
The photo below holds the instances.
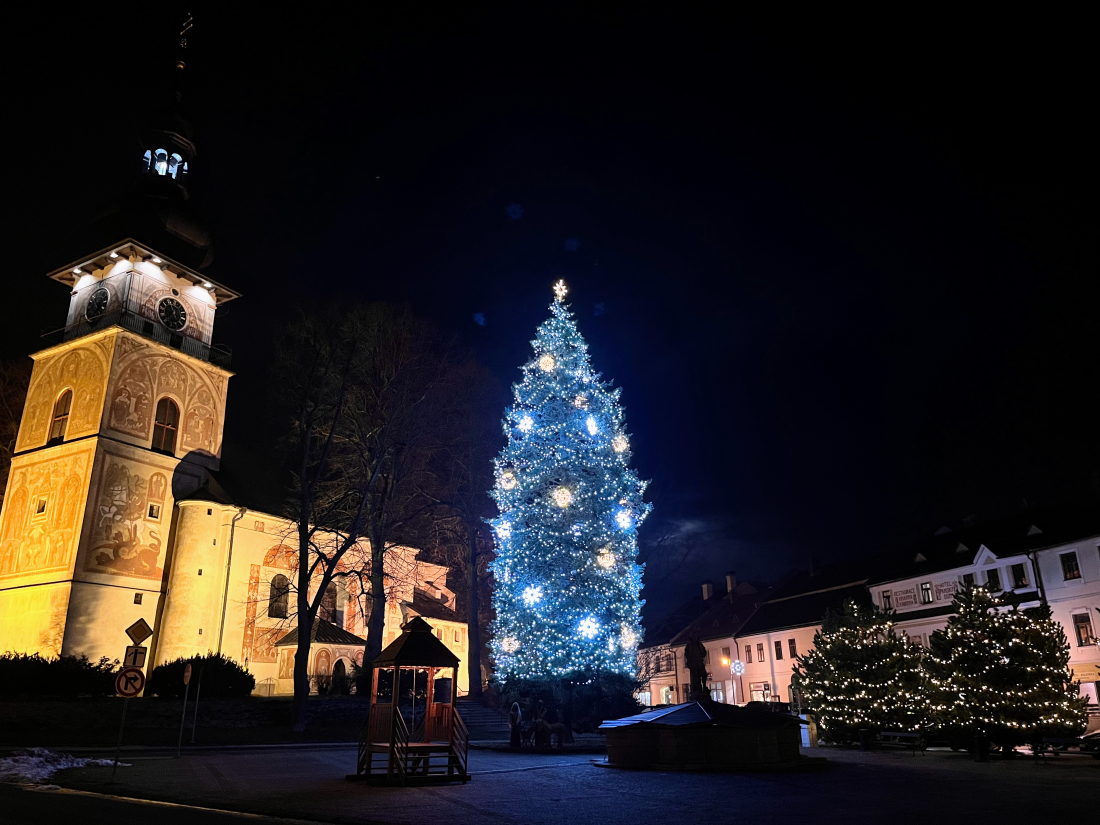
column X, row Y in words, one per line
column 570, row 507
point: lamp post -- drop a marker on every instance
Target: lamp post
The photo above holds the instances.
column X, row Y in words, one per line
column 737, row 667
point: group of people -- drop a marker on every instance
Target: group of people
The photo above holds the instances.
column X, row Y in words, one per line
column 538, row 730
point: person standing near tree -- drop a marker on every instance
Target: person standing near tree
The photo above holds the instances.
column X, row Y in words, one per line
column 515, row 719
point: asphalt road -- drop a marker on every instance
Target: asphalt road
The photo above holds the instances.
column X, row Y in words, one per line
column 308, row 784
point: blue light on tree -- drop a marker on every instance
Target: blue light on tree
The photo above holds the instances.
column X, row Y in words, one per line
column 568, row 594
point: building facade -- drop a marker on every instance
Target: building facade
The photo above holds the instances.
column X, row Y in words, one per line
column 113, row 512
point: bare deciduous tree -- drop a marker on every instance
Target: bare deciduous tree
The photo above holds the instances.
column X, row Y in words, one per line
column 360, row 387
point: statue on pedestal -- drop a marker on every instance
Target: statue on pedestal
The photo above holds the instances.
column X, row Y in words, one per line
column 695, row 659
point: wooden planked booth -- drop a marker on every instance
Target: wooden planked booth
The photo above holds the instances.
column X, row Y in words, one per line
column 413, row 734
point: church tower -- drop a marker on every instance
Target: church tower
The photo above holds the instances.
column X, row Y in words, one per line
column 124, row 416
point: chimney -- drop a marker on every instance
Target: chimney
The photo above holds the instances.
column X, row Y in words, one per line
column 708, row 590
column 731, row 581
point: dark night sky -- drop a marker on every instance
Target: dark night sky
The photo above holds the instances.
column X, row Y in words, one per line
column 847, row 267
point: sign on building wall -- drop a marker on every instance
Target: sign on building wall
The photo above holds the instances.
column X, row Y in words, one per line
column 945, row 591
column 905, row 598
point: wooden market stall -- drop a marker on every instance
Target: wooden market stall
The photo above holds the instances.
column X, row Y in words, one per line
column 413, row 734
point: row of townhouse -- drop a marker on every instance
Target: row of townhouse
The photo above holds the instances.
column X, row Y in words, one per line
column 753, row 635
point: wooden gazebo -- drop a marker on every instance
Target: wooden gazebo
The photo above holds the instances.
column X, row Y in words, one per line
column 413, row 734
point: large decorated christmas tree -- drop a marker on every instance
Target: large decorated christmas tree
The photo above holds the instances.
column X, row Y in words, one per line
column 568, row 584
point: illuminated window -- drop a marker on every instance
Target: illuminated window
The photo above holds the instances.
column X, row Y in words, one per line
column 160, row 162
column 887, row 600
column 926, row 592
column 725, row 657
column 791, row 645
column 748, row 653
column 166, row 426
column 993, row 580
column 778, row 651
column 278, row 597
column 60, row 418
column 1083, row 625
column 1070, row 569
column 1019, row 576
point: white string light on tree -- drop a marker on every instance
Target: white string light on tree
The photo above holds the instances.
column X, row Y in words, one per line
column 567, row 498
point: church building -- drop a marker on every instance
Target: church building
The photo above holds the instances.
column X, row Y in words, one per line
column 113, row 510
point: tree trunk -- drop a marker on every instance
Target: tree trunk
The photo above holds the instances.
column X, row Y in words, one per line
column 378, row 591
column 473, row 613
column 301, row 663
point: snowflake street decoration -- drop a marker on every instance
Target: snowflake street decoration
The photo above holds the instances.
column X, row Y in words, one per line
column 570, row 506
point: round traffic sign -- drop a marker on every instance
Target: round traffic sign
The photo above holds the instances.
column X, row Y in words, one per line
column 129, row 682
column 187, row 674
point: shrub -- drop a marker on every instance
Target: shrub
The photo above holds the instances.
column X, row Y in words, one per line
column 221, row 676
column 33, row 675
column 584, row 701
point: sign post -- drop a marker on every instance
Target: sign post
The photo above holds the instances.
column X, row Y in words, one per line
column 183, row 716
column 131, row 679
column 198, row 695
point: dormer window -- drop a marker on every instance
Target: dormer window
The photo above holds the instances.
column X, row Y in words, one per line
column 60, row 418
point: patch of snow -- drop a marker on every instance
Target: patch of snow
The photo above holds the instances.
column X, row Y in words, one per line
column 39, row 764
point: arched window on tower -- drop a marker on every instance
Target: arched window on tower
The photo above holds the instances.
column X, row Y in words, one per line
column 160, row 164
column 166, row 426
column 328, row 604
column 146, row 161
column 174, row 163
column 279, row 598
column 60, row 420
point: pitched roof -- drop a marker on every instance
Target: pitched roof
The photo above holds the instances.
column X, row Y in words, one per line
column 802, row 610
column 712, row 714
column 323, row 632
column 725, row 618
column 417, row 646
column 424, row 605
column 957, row 547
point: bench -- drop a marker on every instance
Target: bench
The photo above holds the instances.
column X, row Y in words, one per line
column 1056, row 745
column 903, row 739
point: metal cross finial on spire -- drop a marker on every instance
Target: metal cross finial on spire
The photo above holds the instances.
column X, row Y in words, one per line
column 185, row 27
column 559, row 291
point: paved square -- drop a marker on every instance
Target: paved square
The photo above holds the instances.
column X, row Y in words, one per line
column 897, row 787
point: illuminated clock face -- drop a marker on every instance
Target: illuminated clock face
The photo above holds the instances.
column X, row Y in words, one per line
column 172, row 314
column 97, row 304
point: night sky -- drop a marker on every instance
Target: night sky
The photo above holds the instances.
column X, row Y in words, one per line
column 844, row 270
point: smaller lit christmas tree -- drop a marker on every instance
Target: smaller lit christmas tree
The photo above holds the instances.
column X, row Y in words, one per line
column 862, row 675
column 1003, row 673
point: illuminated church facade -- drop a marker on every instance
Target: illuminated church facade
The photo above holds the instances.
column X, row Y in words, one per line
column 113, row 511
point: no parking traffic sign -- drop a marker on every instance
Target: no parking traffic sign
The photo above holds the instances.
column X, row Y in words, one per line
column 129, row 682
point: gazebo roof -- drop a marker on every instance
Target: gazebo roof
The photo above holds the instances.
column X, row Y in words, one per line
column 417, row 646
